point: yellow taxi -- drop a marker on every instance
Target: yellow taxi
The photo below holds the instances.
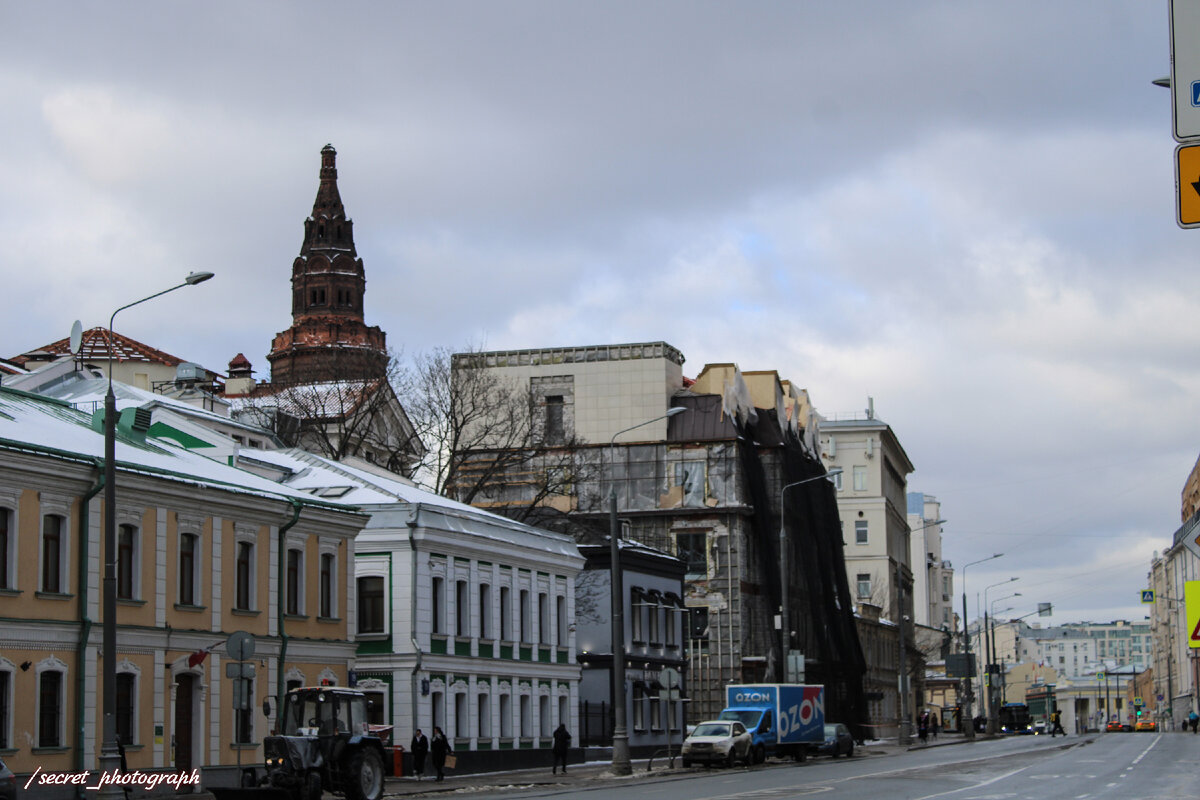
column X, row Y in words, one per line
column 1146, row 725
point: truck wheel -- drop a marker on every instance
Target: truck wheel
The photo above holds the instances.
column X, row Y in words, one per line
column 687, row 762
column 760, row 754
column 365, row 776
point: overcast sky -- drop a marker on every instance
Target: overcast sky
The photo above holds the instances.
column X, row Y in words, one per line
column 964, row 210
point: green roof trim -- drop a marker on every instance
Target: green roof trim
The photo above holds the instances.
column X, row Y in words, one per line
column 160, row 430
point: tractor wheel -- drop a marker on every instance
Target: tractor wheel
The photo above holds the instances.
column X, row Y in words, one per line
column 365, row 776
column 312, row 786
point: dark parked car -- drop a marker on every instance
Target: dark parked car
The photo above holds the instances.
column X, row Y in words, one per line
column 837, row 741
column 8, row 783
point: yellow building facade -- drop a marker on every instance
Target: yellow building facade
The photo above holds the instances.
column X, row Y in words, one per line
column 203, row 550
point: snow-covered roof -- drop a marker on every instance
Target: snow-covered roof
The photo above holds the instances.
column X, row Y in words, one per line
column 389, row 500
column 38, row 424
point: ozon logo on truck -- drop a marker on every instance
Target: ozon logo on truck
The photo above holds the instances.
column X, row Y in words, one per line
column 801, row 716
column 754, row 697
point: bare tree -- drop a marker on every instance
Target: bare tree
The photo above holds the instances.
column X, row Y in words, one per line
column 344, row 418
column 483, row 442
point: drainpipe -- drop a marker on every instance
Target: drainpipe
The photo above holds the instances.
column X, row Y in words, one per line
column 280, row 583
column 412, row 522
column 85, row 623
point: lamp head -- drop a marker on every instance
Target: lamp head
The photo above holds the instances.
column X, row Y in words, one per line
column 834, row 471
column 197, row 277
column 675, row 410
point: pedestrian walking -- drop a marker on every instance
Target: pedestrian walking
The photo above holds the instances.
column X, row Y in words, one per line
column 934, row 725
column 562, row 743
column 439, row 748
column 1056, row 722
column 419, row 747
column 1193, row 720
column 923, row 727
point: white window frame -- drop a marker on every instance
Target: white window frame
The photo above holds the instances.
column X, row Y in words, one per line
column 860, row 478
column 10, row 505
column 246, row 534
column 10, row 669
column 329, row 547
column 298, row 543
column 59, row 510
column 127, row 667
column 50, row 664
column 861, row 531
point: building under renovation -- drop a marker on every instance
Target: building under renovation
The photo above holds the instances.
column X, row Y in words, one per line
column 705, row 485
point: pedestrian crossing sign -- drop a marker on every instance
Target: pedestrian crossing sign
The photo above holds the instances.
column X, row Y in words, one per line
column 1147, row 595
column 1191, row 599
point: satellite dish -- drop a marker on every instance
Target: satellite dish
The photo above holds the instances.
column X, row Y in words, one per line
column 76, row 337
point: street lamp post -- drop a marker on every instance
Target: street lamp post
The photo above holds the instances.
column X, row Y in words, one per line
column 993, row 716
column 110, row 759
column 621, row 764
column 968, row 719
column 785, row 635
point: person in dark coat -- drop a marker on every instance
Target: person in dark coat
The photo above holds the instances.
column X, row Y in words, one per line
column 439, row 748
column 1056, row 721
column 419, row 749
column 562, row 743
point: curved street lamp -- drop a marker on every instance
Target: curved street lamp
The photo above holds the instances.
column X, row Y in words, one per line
column 785, row 632
column 621, row 764
column 967, row 719
column 110, row 759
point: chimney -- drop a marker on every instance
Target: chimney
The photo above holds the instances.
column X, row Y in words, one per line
column 240, row 380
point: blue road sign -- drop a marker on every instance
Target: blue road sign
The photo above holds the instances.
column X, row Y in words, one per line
column 1147, row 595
column 1196, row 94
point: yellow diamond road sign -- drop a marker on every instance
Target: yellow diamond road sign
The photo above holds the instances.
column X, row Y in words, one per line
column 1187, row 185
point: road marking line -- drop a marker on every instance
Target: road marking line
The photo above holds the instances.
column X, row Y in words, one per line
column 972, row 788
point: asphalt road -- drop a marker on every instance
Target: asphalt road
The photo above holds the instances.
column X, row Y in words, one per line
column 1124, row 766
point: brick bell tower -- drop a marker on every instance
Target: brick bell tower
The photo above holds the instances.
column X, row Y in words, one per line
column 328, row 339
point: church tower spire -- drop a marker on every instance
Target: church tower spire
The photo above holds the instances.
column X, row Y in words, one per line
column 329, row 339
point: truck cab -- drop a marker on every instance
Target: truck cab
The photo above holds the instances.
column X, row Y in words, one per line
column 760, row 722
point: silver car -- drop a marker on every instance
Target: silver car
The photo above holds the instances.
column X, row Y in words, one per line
column 8, row 783
column 719, row 741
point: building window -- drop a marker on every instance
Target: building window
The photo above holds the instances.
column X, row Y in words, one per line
column 461, row 728
column 692, row 549
column 483, row 713
column 243, row 599
column 639, row 707
column 860, row 479
column 438, row 710
column 189, row 565
column 6, row 684
column 436, row 605
column 50, row 709
column 506, row 716
column 127, row 558
column 485, row 611
column 543, row 618
column 860, row 531
column 560, row 603
column 376, row 708
column 635, row 615
column 243, row 719
column 505, row 614
column 328, row 570
column 864, row 586
column 53, row 552
column 126, row 707
column 295, row 581
column 669, row 635
column 689, row 476
column 547, row 723
column 654, row 610
column 837, row 481
column 7, row 540
column 554, row 419
column 370, row 604
column 526, row 620
column 462, row 610
column 526, row 716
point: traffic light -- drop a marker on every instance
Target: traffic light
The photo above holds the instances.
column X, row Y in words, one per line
column 1139, row 711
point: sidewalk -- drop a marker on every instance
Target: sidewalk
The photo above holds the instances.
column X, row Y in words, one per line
column 588, row 773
